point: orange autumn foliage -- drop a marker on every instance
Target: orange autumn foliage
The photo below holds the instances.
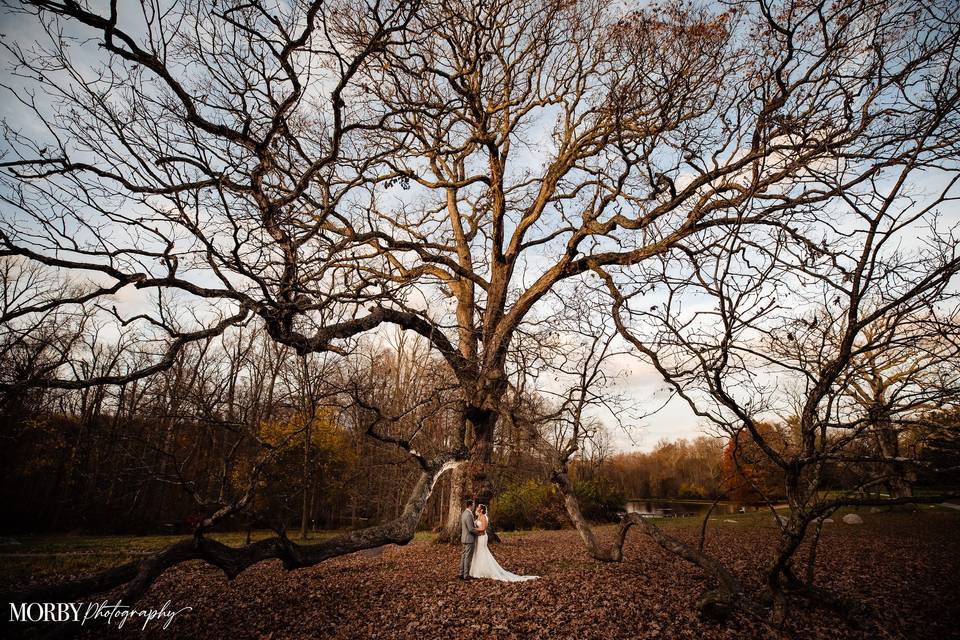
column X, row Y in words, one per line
column 748, row 473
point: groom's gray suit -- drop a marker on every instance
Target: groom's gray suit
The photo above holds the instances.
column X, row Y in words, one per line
column 468, row 536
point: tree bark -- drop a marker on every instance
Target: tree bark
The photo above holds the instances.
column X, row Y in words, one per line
column 614, row 553
column 718, row 603
column 898, row 484
column 450, row 532
column 305, row 507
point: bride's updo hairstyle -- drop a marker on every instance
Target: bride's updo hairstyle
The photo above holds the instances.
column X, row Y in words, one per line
column 482, row 506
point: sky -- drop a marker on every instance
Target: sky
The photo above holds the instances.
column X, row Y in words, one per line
column 640, row 384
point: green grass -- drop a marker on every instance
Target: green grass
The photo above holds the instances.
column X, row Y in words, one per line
column 131, row 545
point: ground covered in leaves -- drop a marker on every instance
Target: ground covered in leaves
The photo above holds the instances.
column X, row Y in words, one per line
column 904, row 567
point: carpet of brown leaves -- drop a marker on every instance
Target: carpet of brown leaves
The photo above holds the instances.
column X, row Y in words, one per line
column 906, row 568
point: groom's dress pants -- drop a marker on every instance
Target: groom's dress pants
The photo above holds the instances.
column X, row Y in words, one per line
column 465, row 559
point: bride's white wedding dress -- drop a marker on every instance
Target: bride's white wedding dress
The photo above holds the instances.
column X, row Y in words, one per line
column 484, row 565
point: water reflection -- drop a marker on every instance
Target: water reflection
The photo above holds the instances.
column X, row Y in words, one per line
column 682, row 508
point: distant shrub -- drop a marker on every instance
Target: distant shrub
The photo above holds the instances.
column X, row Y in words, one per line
column 690, row 491
column 528, row 505
column 600, row 500
column 535, row 504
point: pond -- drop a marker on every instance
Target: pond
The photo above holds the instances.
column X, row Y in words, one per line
column 685, row 508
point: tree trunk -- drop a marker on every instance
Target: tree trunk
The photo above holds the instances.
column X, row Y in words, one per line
column 717, row 603
column 305, row 507
column 596, row 551
column 481, row 464
column 898, row 485
column 450, row 532
column 481, row 454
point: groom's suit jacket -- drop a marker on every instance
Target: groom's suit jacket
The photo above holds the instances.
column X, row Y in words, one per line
column 468, row 532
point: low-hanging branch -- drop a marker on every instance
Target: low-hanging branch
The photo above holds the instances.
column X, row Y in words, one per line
column 136, row 577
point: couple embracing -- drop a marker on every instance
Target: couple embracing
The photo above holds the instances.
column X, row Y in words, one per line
column 476, row 561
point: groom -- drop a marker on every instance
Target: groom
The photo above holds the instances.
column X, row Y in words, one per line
column 468, row 536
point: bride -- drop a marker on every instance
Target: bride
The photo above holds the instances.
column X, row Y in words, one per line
column 484, row 565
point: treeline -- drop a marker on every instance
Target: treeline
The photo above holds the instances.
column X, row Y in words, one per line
column 689, row 469
column 932, row 443
column 673, row 469
column 157, row 454
column 160, row 453
column 314, row 435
